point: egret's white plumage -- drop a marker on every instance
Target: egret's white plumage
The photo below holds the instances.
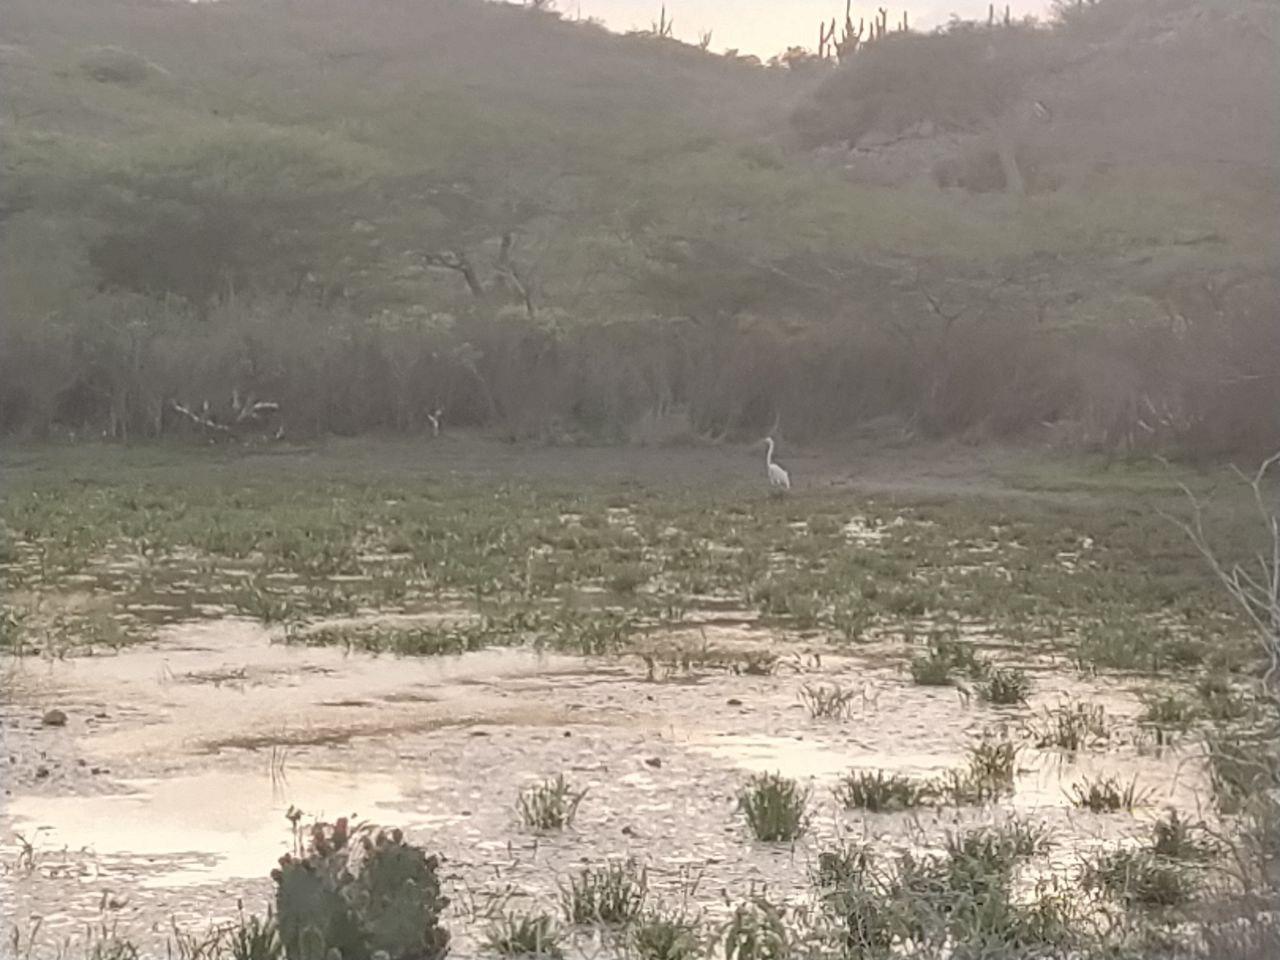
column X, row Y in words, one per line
column 778, row 478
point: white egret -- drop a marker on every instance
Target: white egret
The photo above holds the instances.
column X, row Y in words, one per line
column 778, row 478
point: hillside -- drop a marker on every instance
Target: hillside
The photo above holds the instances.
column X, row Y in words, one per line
column 367, row 212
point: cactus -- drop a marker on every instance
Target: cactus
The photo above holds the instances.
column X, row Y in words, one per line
column 847, row 44
column 662, row 29
column 359, row 892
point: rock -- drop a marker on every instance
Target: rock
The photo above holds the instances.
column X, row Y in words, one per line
column 41, row 772
column 54, row 718
column 654, row 762
column 734, row 702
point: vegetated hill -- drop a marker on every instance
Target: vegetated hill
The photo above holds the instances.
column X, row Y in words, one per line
column 370, row 211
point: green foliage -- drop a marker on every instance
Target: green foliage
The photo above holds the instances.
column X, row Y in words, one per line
column 665, row 935
column 612, row 895
column 776, row 808
column 253, row 938
column 931, row 670
column 1005, row 686
column 550, row 805
column 988, row 775
column 113, row 948
column 963, row 899
column 756, row 931
column 1071, row 727
column 945, row 657
column 525, row 935
column 881, row 792
column 549, row 230
column 1141, row 877
column 1168, row 709
column 359, row 892
column 1107, row 794
column 1175, row 839
column 113, row 65
column 826, row 702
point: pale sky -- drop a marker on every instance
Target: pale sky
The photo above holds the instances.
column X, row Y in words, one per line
column 766, row 27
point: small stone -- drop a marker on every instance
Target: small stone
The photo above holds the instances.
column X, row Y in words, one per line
column 96, row 770
column 654, row 762
column 734, row 702
column 54, row 718
column 41, row 772
column 568, row 733
column 479, row 733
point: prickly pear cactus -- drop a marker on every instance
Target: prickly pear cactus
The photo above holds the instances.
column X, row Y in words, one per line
column 359, row 894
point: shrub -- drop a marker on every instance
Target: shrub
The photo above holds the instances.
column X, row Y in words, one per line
column 113, row 65
column 360, row 892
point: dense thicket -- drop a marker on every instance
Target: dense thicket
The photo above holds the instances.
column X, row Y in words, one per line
column 368, row 212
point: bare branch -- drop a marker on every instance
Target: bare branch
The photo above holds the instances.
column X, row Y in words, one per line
column 1256, row 595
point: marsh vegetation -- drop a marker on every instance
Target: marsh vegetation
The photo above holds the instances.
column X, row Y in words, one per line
column 523, row 644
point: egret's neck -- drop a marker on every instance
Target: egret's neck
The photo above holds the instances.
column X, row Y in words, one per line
column 768, row 454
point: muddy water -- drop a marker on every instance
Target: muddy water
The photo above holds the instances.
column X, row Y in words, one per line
column 165, row 794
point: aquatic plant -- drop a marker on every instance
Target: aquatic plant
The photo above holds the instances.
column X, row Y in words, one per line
column 550, row 805
column 612, row 895
column 665, row 935
column 826, row 702
column 756, row 931
column 1005, row 686
column 1106, row 794
column 532, row 934
column 776, row 807
column 879, row 791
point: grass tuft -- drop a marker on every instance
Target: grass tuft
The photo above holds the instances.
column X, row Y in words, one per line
column 880, row 792
column 525, row 935
column 1141, row 877
column 551, row 805
column 827, row 702
column 1070, row 727
column 776, row 807
column 1107, row 795
column 665, row 935
column 612, row 895
column 1005, row 686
